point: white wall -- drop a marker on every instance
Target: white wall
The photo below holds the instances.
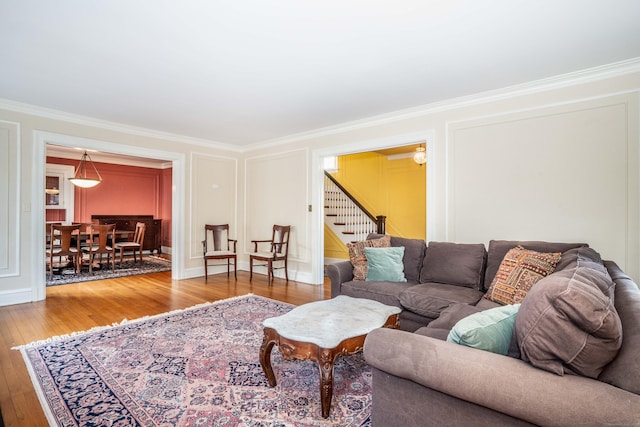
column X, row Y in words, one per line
column 553, row 173
column 554, row 160
column 276, row 192
column 213, row 199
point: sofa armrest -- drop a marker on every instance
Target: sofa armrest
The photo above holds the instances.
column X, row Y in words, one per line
column 501, row 383
column 339, row 273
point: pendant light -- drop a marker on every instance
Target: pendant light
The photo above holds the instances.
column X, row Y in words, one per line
column 420, row 156
column 80, row 177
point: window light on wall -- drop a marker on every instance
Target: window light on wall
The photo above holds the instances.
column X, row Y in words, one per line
column 330, row 164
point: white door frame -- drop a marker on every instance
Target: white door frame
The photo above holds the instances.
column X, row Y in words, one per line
column 41, row 139
column 317, row 185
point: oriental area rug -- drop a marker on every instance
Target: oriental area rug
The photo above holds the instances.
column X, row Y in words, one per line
column 150, row 264
column 194, row 367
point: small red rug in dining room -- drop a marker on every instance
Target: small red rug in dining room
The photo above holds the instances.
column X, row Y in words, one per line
column 193, row 367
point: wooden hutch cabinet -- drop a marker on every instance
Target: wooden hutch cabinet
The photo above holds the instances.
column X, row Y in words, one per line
column 153, row 232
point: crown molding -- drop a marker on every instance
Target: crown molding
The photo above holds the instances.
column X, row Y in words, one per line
column 20, row 107
column 556, row 82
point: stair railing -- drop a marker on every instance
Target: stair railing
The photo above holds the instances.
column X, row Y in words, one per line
column 350, row 213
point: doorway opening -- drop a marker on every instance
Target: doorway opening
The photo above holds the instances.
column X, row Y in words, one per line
column 42, row 139
column 318, row 156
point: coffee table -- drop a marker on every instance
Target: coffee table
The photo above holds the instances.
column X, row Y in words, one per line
column 322, row 331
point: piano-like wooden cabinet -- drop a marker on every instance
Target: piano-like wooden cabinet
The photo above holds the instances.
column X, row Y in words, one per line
column 152, row 235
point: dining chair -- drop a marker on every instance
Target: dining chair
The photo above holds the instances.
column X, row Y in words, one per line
column 135, row 244
column 217, row 245
column 278, row 251
column 98, row 244
column 63, row 244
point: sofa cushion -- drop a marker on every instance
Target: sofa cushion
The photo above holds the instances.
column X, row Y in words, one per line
column 581, row 257
column 567, row 325
column 499, row 248
column 385, row 292
column 413, row 254
column 452, row 315
column 429, row 299
column 488, row 330
column 358, row 258
column 385, row 264
column 454, row 264
column 518, row 272
column 587, row 257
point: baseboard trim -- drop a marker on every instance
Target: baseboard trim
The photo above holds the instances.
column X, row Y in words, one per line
column 17, row 296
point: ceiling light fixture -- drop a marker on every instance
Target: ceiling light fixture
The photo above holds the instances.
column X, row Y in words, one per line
column 420, row 156
column 80, row 178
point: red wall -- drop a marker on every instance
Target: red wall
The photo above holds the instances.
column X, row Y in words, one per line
column 166, row 194
column 124, row 190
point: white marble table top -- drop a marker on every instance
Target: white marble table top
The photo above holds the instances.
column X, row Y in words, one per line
column 327, row 323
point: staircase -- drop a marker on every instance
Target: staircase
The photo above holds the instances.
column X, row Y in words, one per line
column 347, row 218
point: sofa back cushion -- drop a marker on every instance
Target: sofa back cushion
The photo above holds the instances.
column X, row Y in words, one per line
column 454, row 264
column 567, row 325
column 587, row 257
column 499, row 248
column 413, row 254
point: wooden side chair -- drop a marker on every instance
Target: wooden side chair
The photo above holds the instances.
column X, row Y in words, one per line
column 68, row 246
column 217, row 245
column 135, row 245
column 278, row 251
column 99, row 236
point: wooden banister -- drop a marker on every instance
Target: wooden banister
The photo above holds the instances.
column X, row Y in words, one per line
column 379, row 220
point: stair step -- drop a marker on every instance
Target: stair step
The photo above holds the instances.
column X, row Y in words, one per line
column 348, row 232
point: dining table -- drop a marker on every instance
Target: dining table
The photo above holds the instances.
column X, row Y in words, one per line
column 121, row 235
column 84, row 236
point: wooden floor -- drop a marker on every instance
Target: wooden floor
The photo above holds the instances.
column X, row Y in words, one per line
column 81, row 306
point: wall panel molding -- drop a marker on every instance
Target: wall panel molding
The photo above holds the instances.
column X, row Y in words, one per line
column 10, row 195
column 213, row 197
column 557, row 173
column 269, row 180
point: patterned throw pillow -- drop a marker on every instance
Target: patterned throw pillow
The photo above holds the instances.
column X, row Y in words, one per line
column 358, row 258
column 519, row 270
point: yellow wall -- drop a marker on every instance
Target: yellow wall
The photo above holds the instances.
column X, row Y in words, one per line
column 395, row 188
column 333, row 246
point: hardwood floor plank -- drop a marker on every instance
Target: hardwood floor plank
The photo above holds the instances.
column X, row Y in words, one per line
column 82, row 306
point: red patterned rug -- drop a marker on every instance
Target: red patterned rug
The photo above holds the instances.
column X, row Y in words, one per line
column 194, row 367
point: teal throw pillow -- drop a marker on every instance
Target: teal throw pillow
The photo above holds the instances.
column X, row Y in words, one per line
column 385, row 264
column 489, row 330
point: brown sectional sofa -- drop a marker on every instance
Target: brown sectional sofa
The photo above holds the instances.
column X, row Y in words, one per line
column 420, row 379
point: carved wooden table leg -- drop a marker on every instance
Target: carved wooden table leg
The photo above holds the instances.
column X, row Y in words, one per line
column 326, row 362
column 270, row 338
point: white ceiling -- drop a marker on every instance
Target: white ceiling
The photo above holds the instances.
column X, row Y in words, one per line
column 249, row 71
